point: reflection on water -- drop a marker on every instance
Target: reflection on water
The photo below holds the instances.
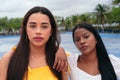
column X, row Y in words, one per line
column 112, row 43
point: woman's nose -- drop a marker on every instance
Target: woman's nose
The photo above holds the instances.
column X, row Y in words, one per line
column 38, row 30
column 82, row 41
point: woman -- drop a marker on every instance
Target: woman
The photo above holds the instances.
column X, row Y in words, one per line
column 93, row 63
column 34, row 56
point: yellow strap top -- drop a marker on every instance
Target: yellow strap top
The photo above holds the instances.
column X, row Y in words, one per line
column 42, row 73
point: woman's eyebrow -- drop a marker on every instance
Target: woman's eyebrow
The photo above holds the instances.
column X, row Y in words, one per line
column 32, row 23
column 85, row 33
column 45, row 23
column 41, row 23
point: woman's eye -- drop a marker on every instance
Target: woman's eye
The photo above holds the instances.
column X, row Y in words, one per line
column 32, row 26
column 44, row 26
column 86, row 37
column 76, row 40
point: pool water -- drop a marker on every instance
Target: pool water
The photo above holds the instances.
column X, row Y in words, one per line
column 111, row 41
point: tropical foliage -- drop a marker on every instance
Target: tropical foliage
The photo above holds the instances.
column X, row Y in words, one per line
column 116, row 1
column 104, row 14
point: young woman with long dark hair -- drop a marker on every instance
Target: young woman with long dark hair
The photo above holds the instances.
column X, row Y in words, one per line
column 34, row 56
column 93, row 62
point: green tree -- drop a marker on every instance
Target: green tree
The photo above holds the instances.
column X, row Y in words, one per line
column 15, row 23
column 84, row 17
column 116, row 1
column 116, row 15
column 68, row 23
column 101, row 14
column 4, row 23
column 74, row 19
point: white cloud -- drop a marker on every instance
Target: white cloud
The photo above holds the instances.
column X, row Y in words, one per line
column 17, row 8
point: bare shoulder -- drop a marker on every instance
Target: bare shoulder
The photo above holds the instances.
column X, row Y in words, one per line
column 6, row 58
column 4, row 61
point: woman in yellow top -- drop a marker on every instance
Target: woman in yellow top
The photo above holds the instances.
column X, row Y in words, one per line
column 34, row 56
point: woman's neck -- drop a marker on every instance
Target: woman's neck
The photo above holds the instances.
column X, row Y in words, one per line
column 91, row 57
column 35, row 50
column 37, row 57
column 88, row 63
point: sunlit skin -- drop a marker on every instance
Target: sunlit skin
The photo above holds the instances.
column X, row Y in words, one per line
column 86, row 43
column 38, row 29
column 38, row 32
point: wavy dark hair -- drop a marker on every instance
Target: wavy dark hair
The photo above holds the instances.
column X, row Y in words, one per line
column 19, row 61
column 104, row 64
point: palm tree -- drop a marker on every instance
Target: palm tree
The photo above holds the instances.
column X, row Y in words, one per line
column 68, row 23
column 116, row 1
column 74, row 19
column 85, row 17
column 101, row 14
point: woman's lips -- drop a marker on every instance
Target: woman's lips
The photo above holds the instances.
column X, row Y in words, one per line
column 83, row 48
column 38, row 38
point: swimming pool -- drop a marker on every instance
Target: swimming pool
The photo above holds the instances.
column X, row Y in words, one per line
column 111, row 41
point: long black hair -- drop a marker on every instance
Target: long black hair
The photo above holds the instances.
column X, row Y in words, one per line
column 19, row 61
column 104, row 64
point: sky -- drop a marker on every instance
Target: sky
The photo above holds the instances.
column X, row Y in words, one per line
column 64, row 8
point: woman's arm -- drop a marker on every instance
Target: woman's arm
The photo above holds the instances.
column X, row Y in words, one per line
column 4, row 62
column 0, row 70
column 64, row 75
column 61, row 60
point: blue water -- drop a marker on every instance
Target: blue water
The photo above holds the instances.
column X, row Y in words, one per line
column 111, row 41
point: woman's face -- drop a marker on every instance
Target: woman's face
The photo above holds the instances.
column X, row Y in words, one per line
column 85, row 41
column 38, row 29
